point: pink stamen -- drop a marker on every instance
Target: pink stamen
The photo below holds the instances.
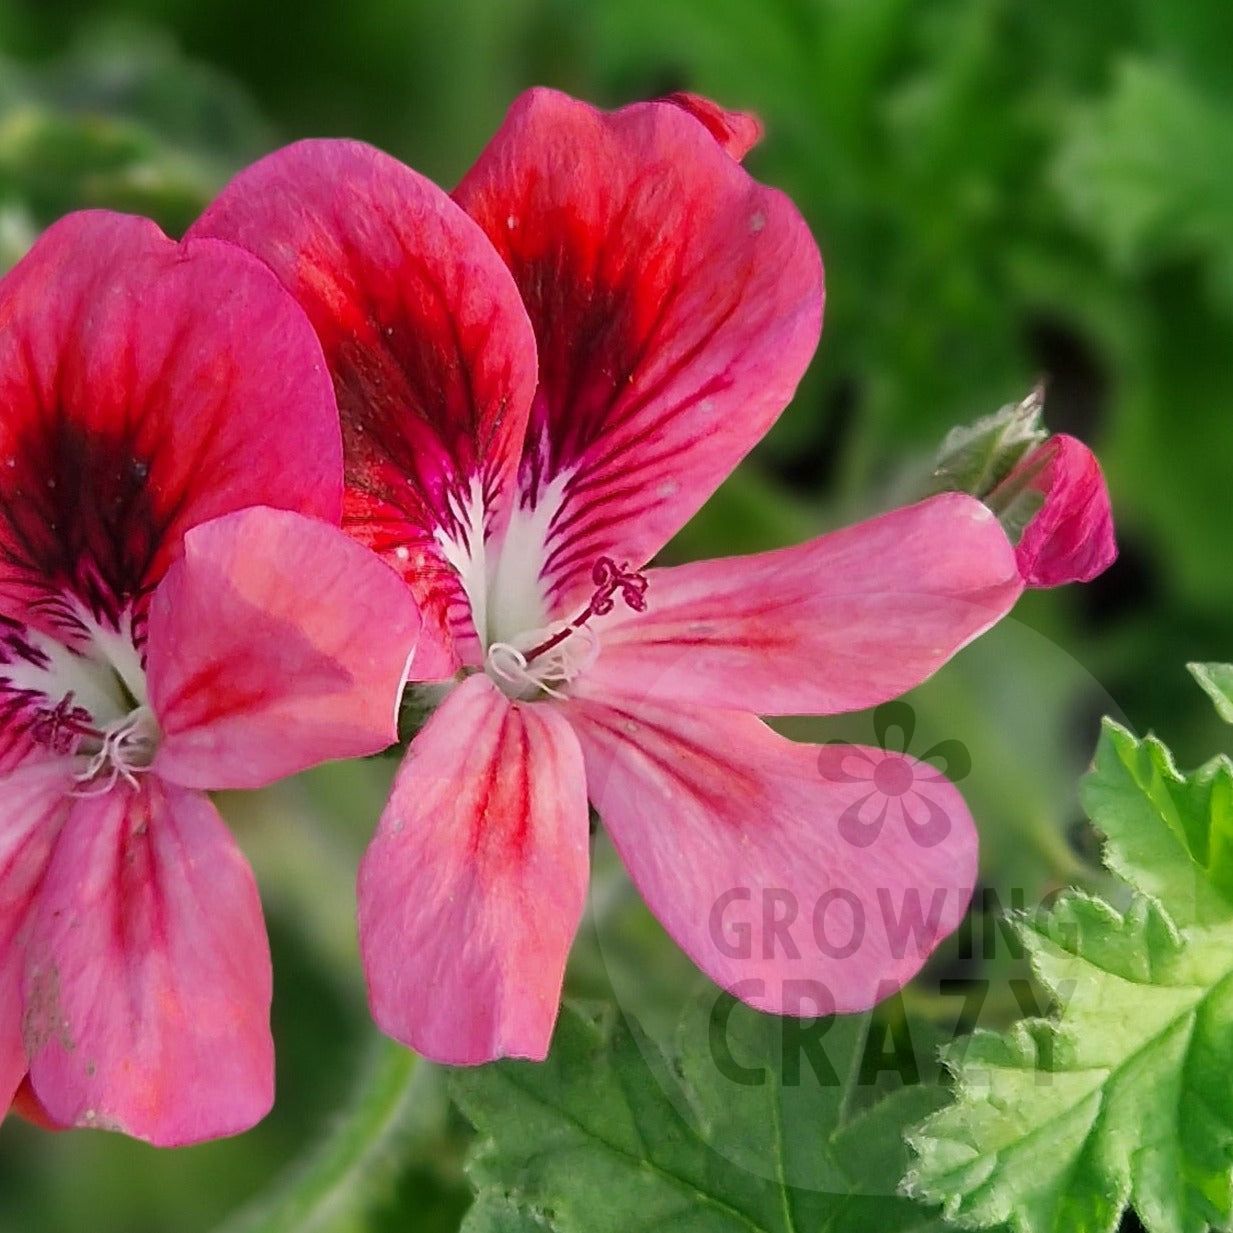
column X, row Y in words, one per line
column 609, row 578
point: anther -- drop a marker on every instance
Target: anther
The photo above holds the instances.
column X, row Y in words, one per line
column 126, row 751
column 64, row 726
column 609, row 578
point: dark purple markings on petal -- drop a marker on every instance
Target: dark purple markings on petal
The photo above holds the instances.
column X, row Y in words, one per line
column 597, row 312
column 20, row 708
column 600, row 307
column 79, row 525
column 417, row 433
column 675, row 304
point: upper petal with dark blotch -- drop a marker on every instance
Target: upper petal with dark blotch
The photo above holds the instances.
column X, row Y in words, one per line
column 805, row 880
column 474, row 885
column 147, row 976
column 146, row 387
column 432, row 355
column 840, row 623
column 676, row 304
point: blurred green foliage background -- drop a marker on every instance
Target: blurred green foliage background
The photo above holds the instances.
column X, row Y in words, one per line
column 1002, row 189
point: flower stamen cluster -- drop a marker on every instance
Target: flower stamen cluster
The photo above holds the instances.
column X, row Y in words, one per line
column 572, row 646
column 125, row 750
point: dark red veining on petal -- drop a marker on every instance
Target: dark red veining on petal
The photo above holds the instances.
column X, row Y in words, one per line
column 431, row 355
column 616, row 264
column 598, row 302
column 415, row 427
column 596, row 299
column 20, row 709
column 694, row 769
column 79, row 520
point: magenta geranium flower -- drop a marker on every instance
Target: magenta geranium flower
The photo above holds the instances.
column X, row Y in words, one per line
column 540, row 382
column 157, row 638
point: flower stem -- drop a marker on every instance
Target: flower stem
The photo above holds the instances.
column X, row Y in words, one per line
column 357, row 1160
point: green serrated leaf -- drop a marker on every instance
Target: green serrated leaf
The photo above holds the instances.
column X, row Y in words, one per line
column 595, row 1140
column 499, row 1213
column 1216, row 680
column 1168, row 835
column 1125, row 1098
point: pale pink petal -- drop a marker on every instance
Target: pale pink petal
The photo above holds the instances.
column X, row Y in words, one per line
column 147, row 985
column 35, row 805
column 804, row 879
column 736, row 131
column 431, row 352
column 676, row 303
column 837, row 624
column 1070, row 539
column 277, row 642
column 471, row 893
column 146, row 386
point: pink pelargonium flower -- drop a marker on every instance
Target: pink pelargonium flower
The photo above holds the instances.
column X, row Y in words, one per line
column 161, row 634
column 672, row 304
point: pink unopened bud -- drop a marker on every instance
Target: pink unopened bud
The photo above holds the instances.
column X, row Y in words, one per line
column 1070, row 538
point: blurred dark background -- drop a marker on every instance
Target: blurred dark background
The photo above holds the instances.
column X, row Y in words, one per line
column 1002, row 190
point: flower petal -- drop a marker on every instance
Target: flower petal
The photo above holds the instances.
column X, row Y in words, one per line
column 675, row 302
column 1070, row 538
column 147, row 984
column 843, row 622
column 793, row 875
column 28, row 1106
column 736, row 131
column 36, row 803
column 277, row 642
column 472, row 891
column 432, row 355
column 147, row 386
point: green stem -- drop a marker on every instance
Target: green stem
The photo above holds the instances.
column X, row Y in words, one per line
column 358, row 1159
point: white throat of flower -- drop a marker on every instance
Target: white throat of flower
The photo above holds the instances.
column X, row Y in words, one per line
column 543, row 662
column 96, row 709
column 547, row 673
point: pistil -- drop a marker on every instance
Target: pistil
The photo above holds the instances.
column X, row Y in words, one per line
column 609, row 578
